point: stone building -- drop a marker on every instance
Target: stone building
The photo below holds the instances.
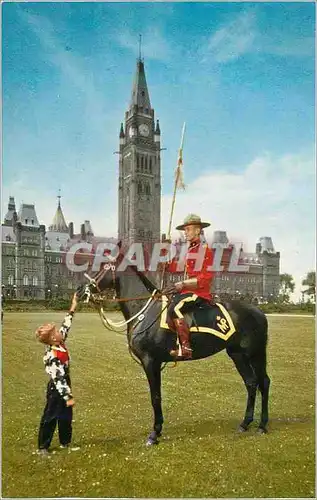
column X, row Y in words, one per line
column 23, row 248
column 34, row 261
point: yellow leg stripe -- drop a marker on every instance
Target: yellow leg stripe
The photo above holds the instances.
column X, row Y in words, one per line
column 163, row 322
column 180, row 304
column 202, row 329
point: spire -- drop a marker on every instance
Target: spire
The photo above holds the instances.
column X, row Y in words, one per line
column 140, row 44
column 157, row 129
column 121, row 132
column 157, row 133
column 140, row 95
column 59, row 224
column 11, row 209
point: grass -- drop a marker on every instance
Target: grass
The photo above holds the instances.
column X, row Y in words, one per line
column 200, row 453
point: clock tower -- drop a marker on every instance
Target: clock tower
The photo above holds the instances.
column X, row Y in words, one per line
column 139, row 169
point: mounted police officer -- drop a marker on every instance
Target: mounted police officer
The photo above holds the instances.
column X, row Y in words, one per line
column 194, row 289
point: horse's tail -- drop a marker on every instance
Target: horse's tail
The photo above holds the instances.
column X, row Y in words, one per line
column 261, row 326
column 252, row 323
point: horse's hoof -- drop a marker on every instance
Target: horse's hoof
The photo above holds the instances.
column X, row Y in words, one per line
column 241, row 428
column 152, row 439
column 262, row 430
column 151, row 442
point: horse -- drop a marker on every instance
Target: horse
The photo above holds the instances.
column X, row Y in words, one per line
column 151, row 344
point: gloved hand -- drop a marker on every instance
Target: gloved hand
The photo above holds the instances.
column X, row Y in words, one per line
column 83, row 293
column 169, row 290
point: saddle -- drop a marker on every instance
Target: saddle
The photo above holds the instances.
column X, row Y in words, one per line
column 211, row 318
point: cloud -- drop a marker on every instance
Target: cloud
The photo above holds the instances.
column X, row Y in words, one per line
column 244, row 35
column 90, row 202
column 270, row 197
column 233, row 40
column 284, row 46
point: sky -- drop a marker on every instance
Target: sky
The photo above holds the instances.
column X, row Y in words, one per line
column 241, row 75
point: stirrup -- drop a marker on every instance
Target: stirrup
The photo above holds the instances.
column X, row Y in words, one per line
column 186, row 353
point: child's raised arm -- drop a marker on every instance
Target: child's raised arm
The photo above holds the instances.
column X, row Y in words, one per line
column 64, row 329
column 74, row 303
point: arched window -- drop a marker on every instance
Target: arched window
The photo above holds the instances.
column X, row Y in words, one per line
column 150, row 164
column 139, row 187
column 145, row 163
column 147, row 189
column 137, row 161
column 10, row 280
column 35, row 281
column 25, row 280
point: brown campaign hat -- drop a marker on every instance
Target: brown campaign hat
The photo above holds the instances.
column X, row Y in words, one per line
column 192, row 219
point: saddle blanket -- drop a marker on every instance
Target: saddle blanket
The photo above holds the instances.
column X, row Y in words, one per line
column 213, row 319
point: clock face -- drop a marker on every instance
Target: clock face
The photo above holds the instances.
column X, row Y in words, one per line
column 144, row 130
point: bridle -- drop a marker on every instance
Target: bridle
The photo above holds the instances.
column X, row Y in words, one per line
column 101, row 274
column 139, row 316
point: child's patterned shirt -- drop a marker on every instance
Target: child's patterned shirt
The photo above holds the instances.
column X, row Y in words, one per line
column 56, row 361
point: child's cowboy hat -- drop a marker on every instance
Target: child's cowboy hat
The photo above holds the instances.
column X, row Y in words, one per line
column 192, row 219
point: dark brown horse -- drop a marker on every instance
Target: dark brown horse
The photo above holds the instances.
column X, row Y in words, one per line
column 152, row 344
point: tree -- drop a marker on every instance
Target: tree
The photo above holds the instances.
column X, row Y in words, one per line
column 287, row 286
column 310, row 282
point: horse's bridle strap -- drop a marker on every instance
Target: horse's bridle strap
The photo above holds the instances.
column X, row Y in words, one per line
column 130, row 299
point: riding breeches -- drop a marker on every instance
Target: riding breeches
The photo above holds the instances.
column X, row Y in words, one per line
column 183, row 303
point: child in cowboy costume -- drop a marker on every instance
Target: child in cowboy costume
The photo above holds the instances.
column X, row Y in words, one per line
column 194, row 289
column 59, row 397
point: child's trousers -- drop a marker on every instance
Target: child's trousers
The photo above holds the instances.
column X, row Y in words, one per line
column 55, row 412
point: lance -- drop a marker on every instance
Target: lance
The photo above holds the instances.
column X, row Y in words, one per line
column 178, row 180
column 178, row 183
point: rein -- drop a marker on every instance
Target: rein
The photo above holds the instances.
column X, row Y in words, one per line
column 139, row 316
column 130, row 299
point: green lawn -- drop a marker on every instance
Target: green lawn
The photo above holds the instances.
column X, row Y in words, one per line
column 200, row 454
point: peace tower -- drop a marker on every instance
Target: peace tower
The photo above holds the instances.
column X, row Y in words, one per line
column 139, row 168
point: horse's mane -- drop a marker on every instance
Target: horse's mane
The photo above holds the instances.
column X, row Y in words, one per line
column 145, row 280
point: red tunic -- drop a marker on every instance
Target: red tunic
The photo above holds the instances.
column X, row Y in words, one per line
column 203, row 273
